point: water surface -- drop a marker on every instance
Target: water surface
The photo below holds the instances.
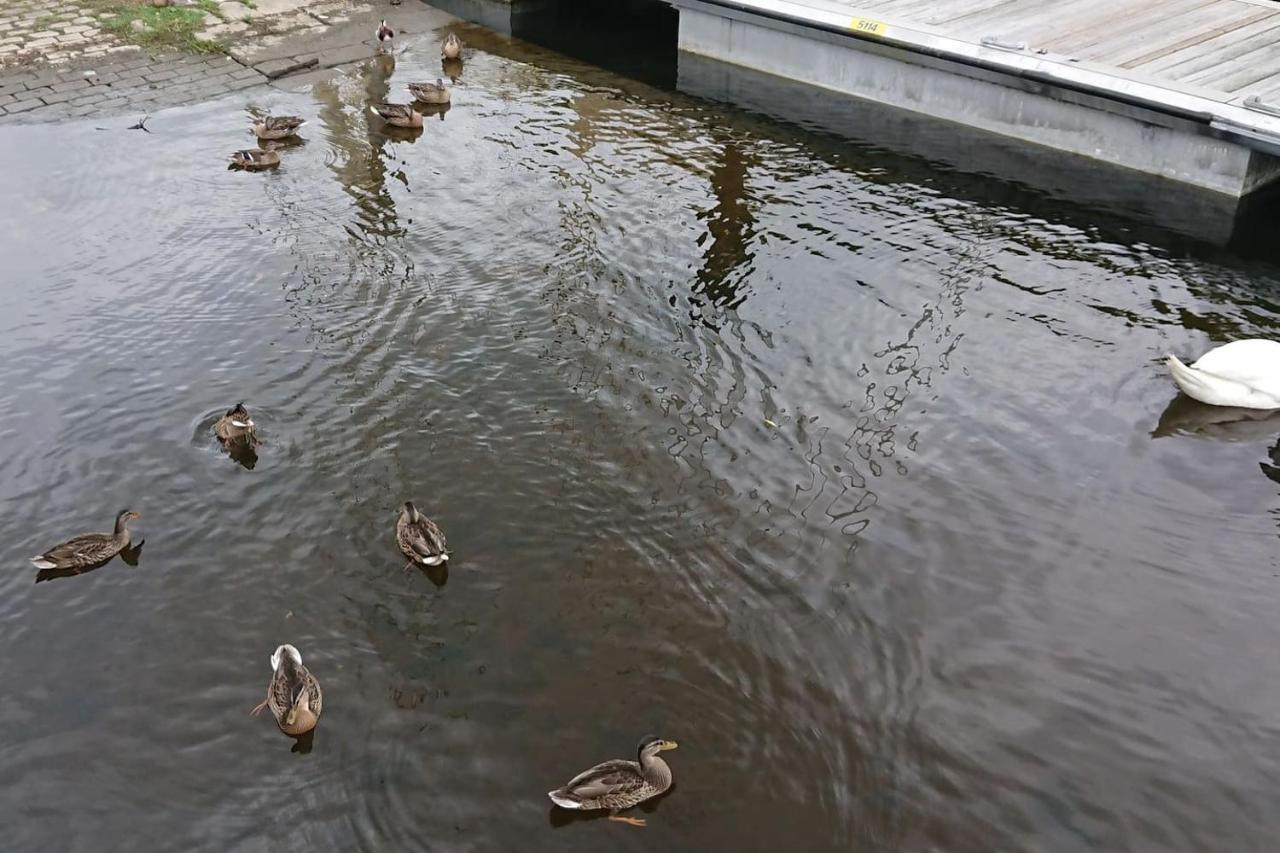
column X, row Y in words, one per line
column 868, row 492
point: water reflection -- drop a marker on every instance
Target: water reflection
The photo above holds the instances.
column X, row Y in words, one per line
column 1184, row 415
column 726, row 259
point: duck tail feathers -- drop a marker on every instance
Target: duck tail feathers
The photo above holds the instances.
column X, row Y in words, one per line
column 560, row 799
column 43, row 562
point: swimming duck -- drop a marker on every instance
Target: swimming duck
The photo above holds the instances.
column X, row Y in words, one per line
column 420, row 539
column 430, row 93
column 90, row 549
column 236, row 426
column 278, row 127
column 451, row 47
column 619, row 784
column 293, row 695
column 384, row 35
column 255, row 159
column 1245, row 374
column 397, row 115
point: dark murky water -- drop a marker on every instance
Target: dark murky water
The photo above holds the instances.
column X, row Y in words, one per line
column 857, row 488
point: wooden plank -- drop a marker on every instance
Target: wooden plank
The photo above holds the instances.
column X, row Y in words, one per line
column 1268, row 89
column 1213, row 52
column 1075, row 18
column 994, row 8
column 1171, row 13
column 1189, row 30
column 951, row 12
column 917, row 10
column 1160, row 47
column 995, row 21
column 1242, row 80
column 1244, row 67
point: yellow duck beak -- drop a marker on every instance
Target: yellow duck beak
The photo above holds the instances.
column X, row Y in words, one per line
column 668, row 744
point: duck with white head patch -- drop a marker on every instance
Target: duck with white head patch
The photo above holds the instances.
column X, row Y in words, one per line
column 293, row 695
column 384, row 35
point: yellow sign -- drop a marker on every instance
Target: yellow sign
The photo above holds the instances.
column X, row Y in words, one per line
column 868, row 27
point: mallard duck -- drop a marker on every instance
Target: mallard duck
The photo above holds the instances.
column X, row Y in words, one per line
column 90, row 549
column 236, row 426
column 384, row 35
column 619, row 784
column 430, row 93
column 1245, row 374
column 278, row 127
column 293, row 695
column 397, row 115
column 255, row 159
column 420, row 539
column 451, row 47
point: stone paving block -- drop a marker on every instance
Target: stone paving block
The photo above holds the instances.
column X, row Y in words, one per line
column 91, row 98
column 8, row 87
column 7, row 99
column 23, row 106
column 273, row 68
column 161, row 76
column 51, row 97
column 71, row 85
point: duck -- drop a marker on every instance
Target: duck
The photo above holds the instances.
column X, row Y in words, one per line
column 236, row 427
column 255, row 159
column 278, row 127
column 293, row 695
column 397, row 115
column 451, row 47
column 430, row 93
column 384, row 35
column 1244, row 374
column 89, row 549
column 420, row 539
column 619, row 784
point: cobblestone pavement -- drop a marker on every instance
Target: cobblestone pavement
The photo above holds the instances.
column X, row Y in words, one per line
column 53, row 31
column 138, row 83
column 56, row 63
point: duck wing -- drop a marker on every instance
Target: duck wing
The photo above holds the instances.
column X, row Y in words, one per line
column 78, row 552
column 284, row 123
column 617, row 776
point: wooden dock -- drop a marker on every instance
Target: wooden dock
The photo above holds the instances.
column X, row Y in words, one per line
column 1187, row 89
column 1222, row 49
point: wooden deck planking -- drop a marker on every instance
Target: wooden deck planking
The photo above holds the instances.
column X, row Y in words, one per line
column 1082, row 17
column 954, row 12
column 989, row 22
column 1238, row 75
column 1211, row 47
column 1138, row 28
column 1215, row 50
column 1232, row 17
column 1182, row 36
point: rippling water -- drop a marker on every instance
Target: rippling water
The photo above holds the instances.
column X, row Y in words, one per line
column 870, row 495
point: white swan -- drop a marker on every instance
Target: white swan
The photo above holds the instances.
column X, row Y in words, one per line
column 1242, row 373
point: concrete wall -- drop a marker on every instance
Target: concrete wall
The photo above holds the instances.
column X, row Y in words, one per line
column 1067, row 121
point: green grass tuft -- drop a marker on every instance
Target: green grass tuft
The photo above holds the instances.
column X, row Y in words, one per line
column 164, row 27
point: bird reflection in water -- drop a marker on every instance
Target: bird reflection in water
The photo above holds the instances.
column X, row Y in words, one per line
column 303, row 744
column 130, row 555
column 438, row 575
column 1186, row 416
column 452, row 69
